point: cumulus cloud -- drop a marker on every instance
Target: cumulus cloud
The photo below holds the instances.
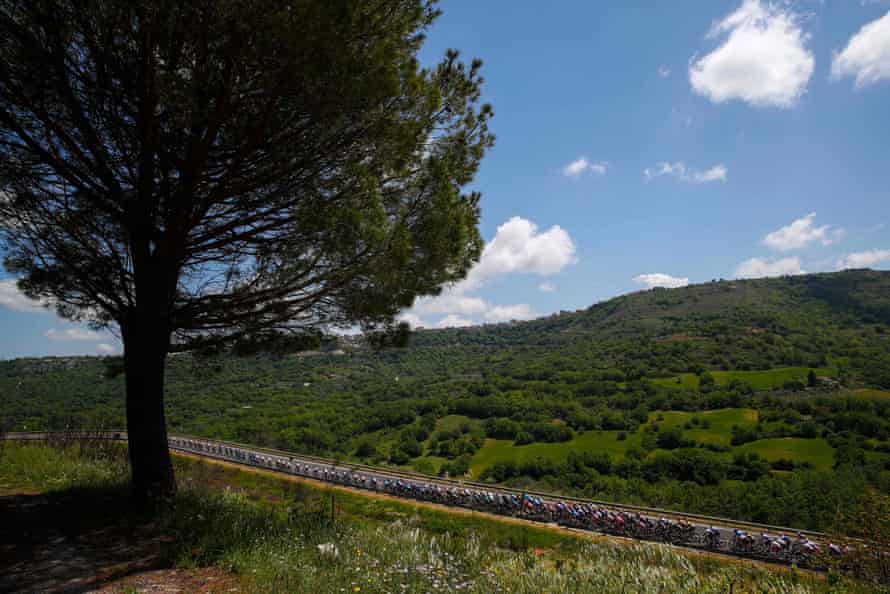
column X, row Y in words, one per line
column 762, row 60
column 864, row 259
column 664, row 71
column 72, row 334
column 582, row 165
column 761, row 267
column 867, row 55
column 450, row 301
column 12, row 298
column 660, row 279
column 105, row 349
column 518, row 247
column 505, row 313
column 801, row 232
column 546, row 287
column 679, row 170
column 453, row 321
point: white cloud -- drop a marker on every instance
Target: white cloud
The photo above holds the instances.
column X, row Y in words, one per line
column 763, row 59
column 715, row 173
column 546, row 287
column 450, row 300
column 801, row 232
column 505, row 313
column 72, row 334
column 12, row 298
column 867, row 55
column 864, row 259
column 413, row 320
column 761, row 267
column 679, row 170
column 453, row 321
column 105, row 349
column 518, row 247
column 581, row 165
column 659, row 279
column 664, row 71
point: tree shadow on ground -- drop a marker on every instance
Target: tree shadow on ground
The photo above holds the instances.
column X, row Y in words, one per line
column 74, row 541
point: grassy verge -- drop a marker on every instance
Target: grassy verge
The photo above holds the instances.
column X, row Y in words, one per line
column 282, row 537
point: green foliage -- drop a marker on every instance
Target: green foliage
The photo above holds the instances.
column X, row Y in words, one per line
column 671, row 439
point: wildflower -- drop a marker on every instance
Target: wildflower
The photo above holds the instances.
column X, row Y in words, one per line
column 329, row 549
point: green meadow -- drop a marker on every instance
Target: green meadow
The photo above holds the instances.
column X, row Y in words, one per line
column 814, row 451
column 713, row 427
column 719, row 423
column 496, row 450
column 759, row 380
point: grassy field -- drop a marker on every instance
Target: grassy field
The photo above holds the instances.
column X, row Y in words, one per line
column 451, row 422
column 277, row 536
column 759, row 380
column 496, row 450
column 815, row 451
column 720, row 423
column 719, row 431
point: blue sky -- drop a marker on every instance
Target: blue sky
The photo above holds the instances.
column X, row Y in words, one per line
column 649, row 143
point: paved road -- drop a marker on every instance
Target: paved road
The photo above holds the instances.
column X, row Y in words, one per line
column 765, row 543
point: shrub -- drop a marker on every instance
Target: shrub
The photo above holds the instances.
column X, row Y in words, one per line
column 523, row 438
column 399, row 456
column 366, row 449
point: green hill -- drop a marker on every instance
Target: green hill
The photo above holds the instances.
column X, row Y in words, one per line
column 729, row 325
column 639, row 398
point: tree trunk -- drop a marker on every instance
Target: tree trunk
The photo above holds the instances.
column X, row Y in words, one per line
column 145, row 351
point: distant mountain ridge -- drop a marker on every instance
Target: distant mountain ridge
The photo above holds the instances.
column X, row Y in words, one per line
column 850, row 296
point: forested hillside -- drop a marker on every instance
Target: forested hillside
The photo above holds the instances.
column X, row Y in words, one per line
column 736, row 397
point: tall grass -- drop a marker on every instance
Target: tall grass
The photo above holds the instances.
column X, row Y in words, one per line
column 64, row 466
column 295, row 545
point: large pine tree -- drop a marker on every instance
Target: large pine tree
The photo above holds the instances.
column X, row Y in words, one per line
column 196, row 173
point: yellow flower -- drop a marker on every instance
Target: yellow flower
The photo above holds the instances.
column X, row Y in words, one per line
column 357, row 589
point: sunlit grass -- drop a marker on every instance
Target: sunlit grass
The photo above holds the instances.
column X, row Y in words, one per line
column 55, row 469
column 759, row 380
column 815, row 451
column 720, row 423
